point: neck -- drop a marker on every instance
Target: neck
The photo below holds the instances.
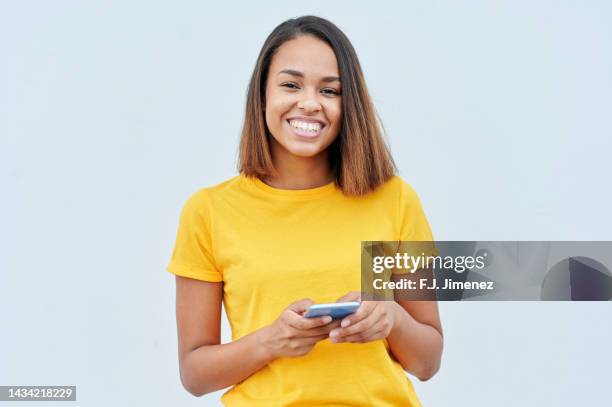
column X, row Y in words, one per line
column 295, row 172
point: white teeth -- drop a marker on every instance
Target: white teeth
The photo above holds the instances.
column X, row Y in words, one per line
column 314, row 127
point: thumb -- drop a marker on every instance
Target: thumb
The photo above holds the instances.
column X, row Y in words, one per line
column 350, row 296
column 301, row 305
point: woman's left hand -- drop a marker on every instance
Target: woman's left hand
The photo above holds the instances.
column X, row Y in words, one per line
column 372, row 321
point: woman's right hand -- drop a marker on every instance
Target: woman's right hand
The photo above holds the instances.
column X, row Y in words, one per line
column 294, row 335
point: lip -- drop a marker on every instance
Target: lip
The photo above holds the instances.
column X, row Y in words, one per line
column 307, row 119
column 303, row 133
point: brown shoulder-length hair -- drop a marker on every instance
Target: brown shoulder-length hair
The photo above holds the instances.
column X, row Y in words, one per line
column 359, row 156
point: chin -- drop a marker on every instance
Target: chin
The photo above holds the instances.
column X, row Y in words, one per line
column 304, row 152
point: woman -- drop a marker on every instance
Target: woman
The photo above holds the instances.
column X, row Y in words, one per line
column 316, row 179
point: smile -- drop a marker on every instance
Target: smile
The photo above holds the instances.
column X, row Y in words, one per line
column 305, row 128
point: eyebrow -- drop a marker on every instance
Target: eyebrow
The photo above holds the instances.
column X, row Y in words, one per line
column 325, row 79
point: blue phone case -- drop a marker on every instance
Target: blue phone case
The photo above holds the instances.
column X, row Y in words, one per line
column 335, row 310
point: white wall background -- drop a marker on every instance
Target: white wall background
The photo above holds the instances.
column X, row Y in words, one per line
column 112, row 113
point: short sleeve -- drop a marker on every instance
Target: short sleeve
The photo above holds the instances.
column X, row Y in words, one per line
column 413, row 223
column 415, row 233
column 416, row 241
column 192, row 255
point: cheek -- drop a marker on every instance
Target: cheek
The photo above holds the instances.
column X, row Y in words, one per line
column 335, row 114
column 276, row 106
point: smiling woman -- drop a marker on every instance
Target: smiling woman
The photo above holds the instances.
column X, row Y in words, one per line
column 308, row 72
column 303, row 105
column 316, row 178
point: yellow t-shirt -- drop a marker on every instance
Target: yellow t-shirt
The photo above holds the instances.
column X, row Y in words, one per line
column 271, row 247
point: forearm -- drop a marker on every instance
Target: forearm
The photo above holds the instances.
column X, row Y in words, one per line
column 214, row 367
column 416, row 346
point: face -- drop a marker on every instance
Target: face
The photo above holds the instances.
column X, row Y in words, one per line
column 303, row 98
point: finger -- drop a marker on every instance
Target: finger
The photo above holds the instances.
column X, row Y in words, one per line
column 371, row 335
column 334, row 324
column 360, row 335
column 350, row 296
column 372, row 321
column 302, row 323
column 365, row 309
column 321, row 330
column 301, row 305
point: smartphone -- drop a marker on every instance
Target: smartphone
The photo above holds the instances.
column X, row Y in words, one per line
column 336, row 310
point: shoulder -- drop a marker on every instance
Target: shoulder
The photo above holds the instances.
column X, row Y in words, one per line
column 201, row 199
column 396, row 188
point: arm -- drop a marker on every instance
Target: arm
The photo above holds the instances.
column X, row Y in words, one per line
column 416, row 338
column 412, row 329
column 205, row 364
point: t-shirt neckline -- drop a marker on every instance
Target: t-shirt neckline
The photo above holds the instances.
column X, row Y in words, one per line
column 291, row 193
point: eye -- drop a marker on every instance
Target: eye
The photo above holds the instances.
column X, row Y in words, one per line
column 330, row 92
column 290, row 85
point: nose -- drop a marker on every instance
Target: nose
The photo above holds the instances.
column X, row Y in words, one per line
column 308, row 102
